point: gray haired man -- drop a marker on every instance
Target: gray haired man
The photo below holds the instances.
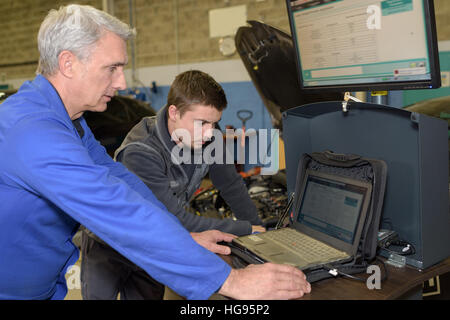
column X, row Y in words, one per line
column 56, row 176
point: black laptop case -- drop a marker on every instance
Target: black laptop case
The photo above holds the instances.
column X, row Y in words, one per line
column 356, row 167
column 352, row 166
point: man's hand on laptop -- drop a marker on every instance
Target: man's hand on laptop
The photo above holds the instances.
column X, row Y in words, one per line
column 257, row 229
column 208, row 240
column 265, row 281
column 255, row 282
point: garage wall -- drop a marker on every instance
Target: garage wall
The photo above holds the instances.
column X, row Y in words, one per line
column 19, row 25
column 170, row 32
column 442, row 11
column 173, row 36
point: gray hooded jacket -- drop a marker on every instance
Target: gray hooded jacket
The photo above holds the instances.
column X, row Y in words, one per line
column 146, row 151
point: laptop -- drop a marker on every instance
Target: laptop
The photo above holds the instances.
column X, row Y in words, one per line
column 329, row 216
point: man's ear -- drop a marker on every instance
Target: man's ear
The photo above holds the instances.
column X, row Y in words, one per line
column 172, row 112
column 66, row 63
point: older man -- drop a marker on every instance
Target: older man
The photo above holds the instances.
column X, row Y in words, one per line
column 54, row 175
column 147, row 151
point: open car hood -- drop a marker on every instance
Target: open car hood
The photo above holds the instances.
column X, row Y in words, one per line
column 269, row 57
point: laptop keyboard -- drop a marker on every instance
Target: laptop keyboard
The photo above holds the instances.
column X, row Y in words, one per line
column 308, row 248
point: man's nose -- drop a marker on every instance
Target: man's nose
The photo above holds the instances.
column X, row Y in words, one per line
column 208, row 131
column 119, row 81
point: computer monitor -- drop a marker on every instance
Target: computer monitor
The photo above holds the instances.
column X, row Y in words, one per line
column 365, row 45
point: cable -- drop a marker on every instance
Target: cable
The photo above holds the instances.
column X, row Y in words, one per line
column 408, row 248
column 388, row 238
column 335, row 271
column 285, row 212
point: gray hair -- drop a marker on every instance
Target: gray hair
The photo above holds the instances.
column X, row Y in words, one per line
column 75, row 28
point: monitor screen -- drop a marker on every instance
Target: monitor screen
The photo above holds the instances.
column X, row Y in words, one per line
column 363, row 45
column 332, row 207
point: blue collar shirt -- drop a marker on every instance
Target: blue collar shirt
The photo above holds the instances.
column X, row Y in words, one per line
column 51, row 180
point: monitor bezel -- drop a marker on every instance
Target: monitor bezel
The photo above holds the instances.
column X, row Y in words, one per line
column 433, row 53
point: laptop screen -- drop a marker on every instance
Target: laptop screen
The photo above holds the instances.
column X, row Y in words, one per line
column 332, row 207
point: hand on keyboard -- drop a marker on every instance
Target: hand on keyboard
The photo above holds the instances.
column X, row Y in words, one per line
column 266, row 281
column 258, row 229
column 211, row 240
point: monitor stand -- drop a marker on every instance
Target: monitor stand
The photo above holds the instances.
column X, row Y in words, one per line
column 379, row 97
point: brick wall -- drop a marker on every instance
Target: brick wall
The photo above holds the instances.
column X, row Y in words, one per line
column 169, row 31
column 442, row 11
column 164, row 26
column 19, row 25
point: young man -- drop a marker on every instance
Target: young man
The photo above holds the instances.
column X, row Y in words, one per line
column 54, row 175
column 195, row 100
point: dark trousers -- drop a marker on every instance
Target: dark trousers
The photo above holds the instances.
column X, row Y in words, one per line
column 105, row 273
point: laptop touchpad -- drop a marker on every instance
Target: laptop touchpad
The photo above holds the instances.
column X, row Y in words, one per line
column 279, row 255
column 268, row 249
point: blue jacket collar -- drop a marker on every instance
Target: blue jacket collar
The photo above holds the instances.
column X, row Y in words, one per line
column 48, row 91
